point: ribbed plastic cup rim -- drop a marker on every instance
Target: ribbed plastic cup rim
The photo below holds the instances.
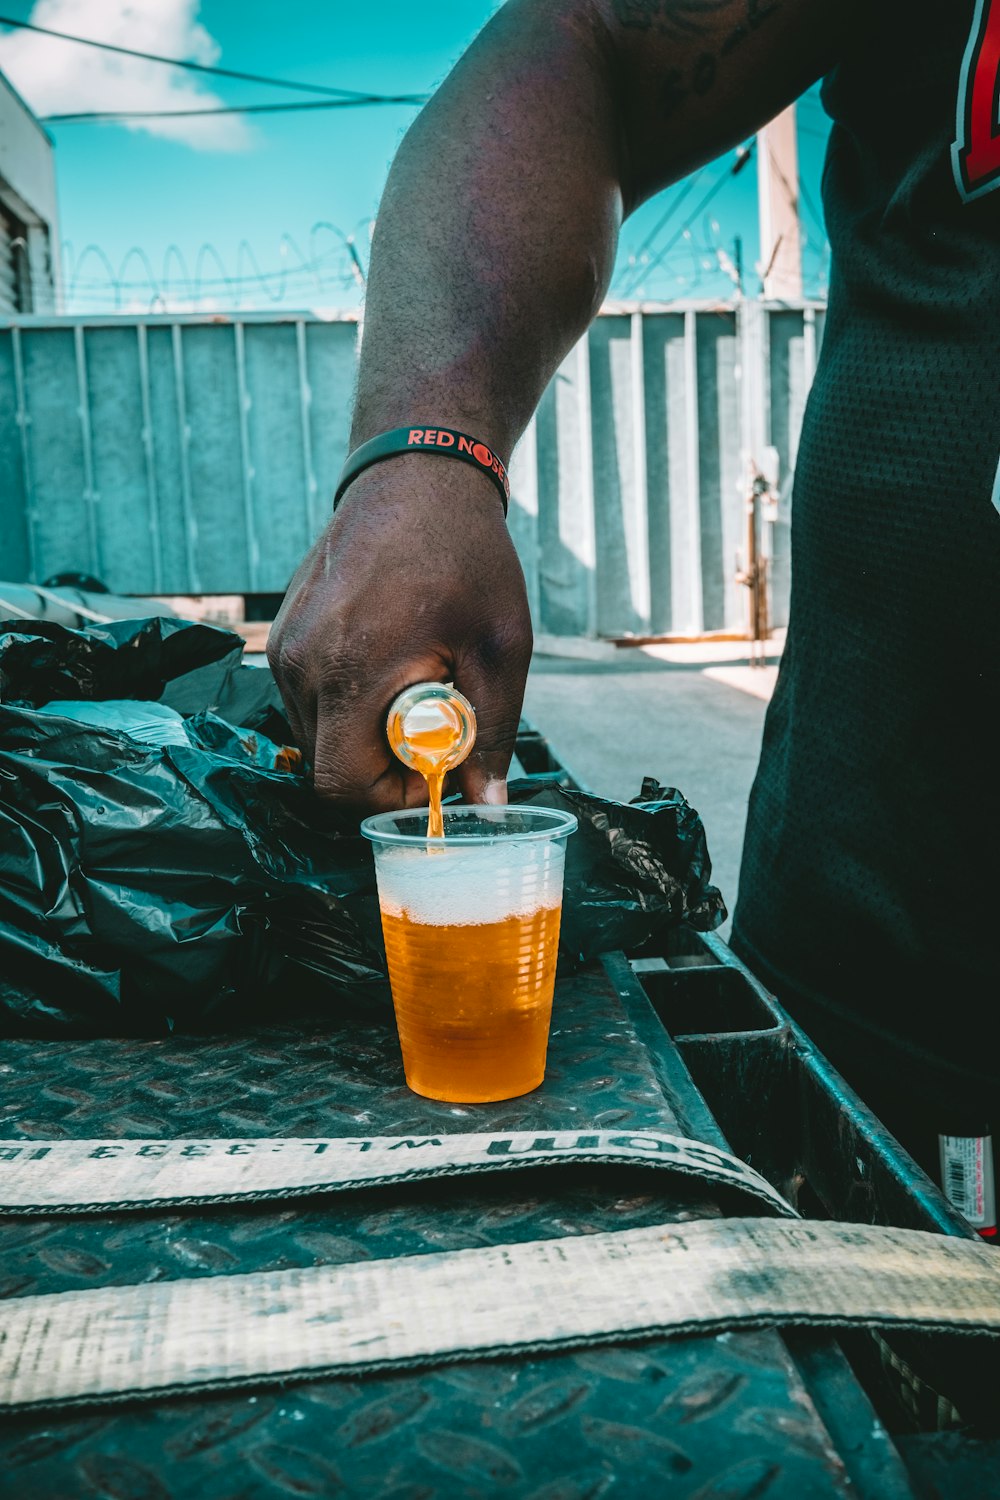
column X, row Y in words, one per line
column 553, row 825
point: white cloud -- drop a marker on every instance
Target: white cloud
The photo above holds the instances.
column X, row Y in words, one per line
column 57, row 77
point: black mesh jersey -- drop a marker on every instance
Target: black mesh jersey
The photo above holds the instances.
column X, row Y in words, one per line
column 871, row 868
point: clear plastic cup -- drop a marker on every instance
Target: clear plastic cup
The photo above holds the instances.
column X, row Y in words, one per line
column 471, row 926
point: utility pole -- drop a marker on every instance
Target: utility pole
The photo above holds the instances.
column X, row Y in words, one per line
column 778, row 209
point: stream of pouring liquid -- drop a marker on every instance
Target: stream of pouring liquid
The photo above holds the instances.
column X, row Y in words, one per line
column 432, row 754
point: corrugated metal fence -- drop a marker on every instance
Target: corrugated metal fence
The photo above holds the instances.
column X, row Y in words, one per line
column 198, row 455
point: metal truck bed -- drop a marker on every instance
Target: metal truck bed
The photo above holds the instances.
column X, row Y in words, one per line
column 738, row 1415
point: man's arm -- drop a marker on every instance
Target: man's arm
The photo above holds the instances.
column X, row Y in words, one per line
column 492, row 252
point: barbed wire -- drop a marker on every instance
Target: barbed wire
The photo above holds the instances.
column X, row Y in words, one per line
column 332, row 261
column 699, row 265
column 212, row 282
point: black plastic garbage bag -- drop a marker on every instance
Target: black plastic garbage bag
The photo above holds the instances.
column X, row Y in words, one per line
column 40, row 660
column 193, row 883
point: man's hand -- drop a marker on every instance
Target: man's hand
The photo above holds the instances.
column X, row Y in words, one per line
column 414, row 580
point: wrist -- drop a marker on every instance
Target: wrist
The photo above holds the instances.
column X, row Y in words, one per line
column 426, row 442
column 428, row 495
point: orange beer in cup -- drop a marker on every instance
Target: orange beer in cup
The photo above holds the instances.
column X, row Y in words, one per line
column 471, row 926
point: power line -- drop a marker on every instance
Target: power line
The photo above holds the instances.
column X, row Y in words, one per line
column 742, row 157
column 672, row 207
column 715, row 189
column 803, row 195
column 196, row 67
column 812, row 210
column 91, row 117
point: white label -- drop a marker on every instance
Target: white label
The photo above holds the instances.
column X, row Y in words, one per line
column 967, row 1177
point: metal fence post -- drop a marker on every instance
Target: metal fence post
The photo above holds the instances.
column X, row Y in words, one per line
column 23, row 427
column 696, row 604
column 184, row 433
column 150, row 456
column 90, row 497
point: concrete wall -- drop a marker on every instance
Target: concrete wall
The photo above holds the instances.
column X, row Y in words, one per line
column 199, row 455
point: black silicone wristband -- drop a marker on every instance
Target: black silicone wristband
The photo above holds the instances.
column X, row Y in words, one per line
column 443, row 442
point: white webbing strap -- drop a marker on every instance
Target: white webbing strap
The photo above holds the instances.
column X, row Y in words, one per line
column 123, row 1342
column 75, row 1176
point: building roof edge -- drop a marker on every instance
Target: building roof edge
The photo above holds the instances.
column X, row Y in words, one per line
column 25, row 106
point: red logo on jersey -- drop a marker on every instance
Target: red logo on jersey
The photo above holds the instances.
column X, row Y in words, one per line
column 976, row 153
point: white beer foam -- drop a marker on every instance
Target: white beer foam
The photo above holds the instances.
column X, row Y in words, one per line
column 466, row 886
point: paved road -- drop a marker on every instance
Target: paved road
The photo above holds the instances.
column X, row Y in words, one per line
column 692, row 720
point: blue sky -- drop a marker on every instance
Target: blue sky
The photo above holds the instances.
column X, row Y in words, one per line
column 268, row 182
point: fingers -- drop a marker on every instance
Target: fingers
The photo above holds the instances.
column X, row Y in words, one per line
column 353, row 765
column 336, row 697
column 299, row 702
column 291, row 663
column 342, row 733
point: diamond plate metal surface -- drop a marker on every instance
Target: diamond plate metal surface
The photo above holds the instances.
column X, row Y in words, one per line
column 705, row 1418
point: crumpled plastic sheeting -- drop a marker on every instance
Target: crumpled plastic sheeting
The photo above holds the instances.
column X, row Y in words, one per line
column 40, row 661
column 631, row 869
column 143, row 888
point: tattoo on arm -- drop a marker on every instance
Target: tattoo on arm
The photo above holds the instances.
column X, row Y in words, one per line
column 686, row 18
column 683, row 19
column 680, row 18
